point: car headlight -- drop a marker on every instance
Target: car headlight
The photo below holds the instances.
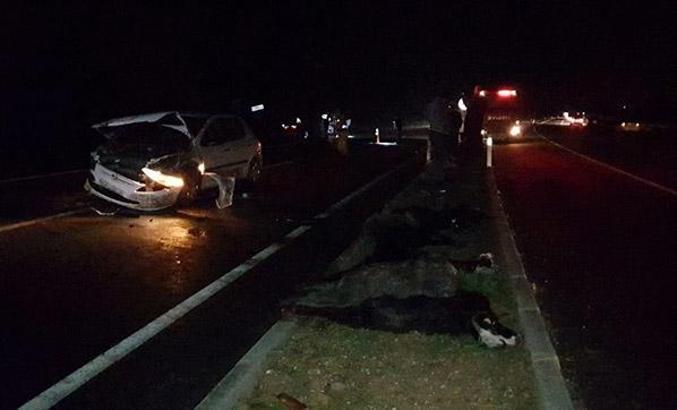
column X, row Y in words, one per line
column 167, row 180
column 515, row 130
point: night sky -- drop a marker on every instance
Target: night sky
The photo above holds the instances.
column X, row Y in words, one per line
column 66, row 66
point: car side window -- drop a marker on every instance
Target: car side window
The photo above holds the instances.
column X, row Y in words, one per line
column 222, row 130
column 213, row 134
column 232, row 129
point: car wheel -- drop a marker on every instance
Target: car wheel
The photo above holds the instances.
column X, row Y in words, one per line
column 255, row 170
column 191, row 187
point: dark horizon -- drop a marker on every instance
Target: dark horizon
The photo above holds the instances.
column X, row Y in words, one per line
column 65, row 68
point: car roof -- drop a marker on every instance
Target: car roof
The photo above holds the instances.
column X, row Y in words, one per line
column 132, row 119
column 180, row 123
column 156, row 116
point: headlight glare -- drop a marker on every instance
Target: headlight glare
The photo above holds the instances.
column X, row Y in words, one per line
column 167, row 180
column 515, row 130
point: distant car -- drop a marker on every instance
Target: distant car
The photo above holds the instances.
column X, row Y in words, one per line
column 574, row 119
column 554, row 121
column 154, row 161
column 294, row 130
column 628, row 126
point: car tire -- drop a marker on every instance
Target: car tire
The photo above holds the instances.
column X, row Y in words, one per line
column 191, row 188
column 254, row 171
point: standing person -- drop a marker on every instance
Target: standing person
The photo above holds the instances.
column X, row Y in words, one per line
column 324, row 126
column 472, row 127
column 456, row 122
column 440, row 130
column 397, row 126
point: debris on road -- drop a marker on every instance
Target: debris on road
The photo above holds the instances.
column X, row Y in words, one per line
column 226, row 188
column 290, row 403
column 104, row 213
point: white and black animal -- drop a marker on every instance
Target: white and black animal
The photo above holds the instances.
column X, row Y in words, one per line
column 465, row 312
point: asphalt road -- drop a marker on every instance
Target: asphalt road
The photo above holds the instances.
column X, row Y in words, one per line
column 74, row 286
column 599, row 247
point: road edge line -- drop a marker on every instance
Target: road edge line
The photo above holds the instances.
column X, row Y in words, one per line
column 610, row 167
column 239, row 384
column 23, row 224
column 551, row 386
column 74, row 380
column 39, row 176
column 241, row 379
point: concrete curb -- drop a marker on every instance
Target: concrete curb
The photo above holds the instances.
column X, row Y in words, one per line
column 240, row 382
column 551, row 386
column 242, row 378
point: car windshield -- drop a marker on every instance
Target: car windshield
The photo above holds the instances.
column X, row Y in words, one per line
column 146, row 134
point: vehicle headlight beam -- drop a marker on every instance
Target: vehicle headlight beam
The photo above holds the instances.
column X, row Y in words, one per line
column 167, row 180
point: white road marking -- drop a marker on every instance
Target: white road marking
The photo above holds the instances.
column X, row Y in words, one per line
column 614, row 169
column 22, row 224
column 298, row 232
column 79, row 377
column 32, row 177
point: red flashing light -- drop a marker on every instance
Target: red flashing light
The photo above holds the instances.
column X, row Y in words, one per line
column 506, row 93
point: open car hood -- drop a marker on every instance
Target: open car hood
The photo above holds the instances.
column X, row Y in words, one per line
column 170, row 119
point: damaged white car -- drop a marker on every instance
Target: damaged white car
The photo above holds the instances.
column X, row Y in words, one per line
column 154, row 161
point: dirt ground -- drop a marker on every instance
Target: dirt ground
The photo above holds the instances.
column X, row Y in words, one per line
column 329, row 366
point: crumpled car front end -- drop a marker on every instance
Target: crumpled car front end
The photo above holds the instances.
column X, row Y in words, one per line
column 139, row 165
column 135, row 193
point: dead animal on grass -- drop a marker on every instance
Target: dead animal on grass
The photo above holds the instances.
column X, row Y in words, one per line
column 485, row 260
column 465, row 312
column 430, row 276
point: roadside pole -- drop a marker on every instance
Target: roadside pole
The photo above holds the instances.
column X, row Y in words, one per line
column 490, row 146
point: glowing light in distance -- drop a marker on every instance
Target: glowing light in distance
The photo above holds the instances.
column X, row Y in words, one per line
column 506, row 93
column 515, row 130
column 201, row 168
column 483, row 93
column 258, row 107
